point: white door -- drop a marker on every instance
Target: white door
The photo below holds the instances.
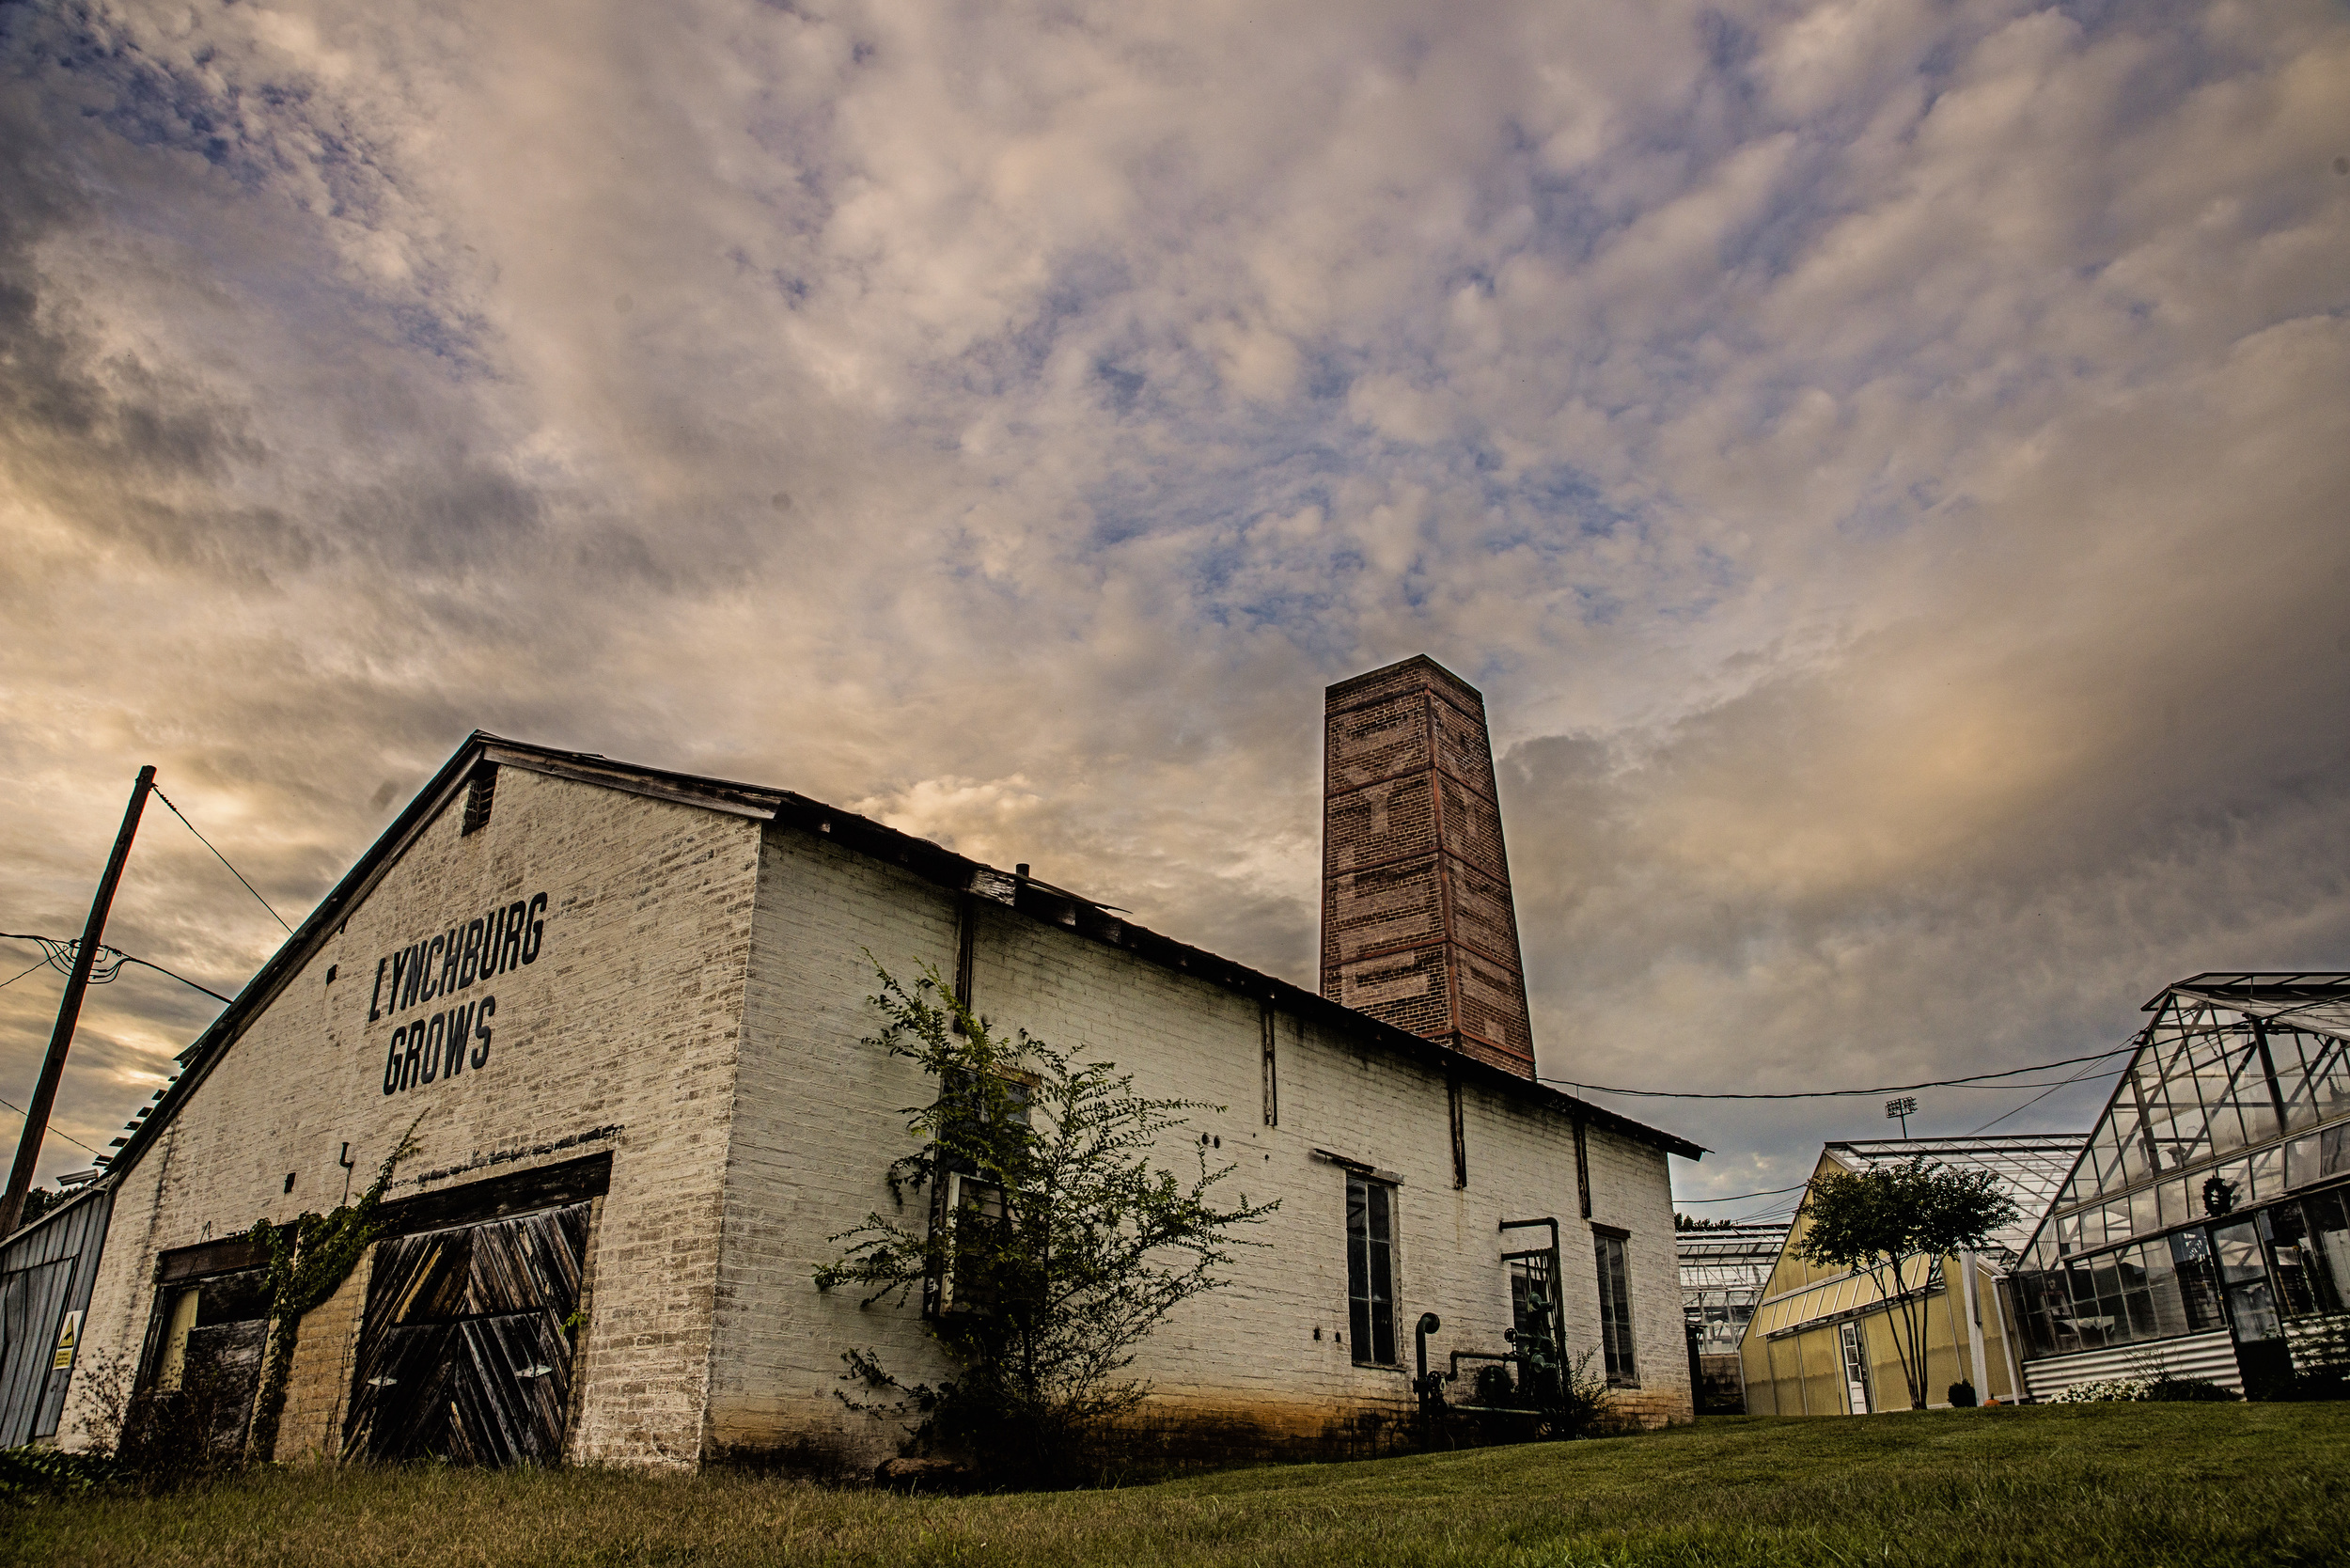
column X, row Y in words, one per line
column 1855, row 1368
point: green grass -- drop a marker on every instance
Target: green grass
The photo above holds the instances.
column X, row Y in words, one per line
column 2137, row 1484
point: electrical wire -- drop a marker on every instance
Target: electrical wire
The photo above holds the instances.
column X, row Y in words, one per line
column 58, row 954
column 1786, row 1211
column 222, row 859
column 1779, row 1210
column 1838, row 1093
column 181, row 979
column 2078, row 1077
column 1742, row 1197
column 21, row 974
column 68, row 1137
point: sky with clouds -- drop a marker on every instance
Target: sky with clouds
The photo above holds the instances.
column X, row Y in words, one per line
column 1887, row 465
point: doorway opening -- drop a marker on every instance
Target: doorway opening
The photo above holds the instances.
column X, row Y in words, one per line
column 1854, row 1346
column 466, row 1349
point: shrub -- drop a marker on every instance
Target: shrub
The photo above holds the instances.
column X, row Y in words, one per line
column 2309, row 1383
column 1067, row 1246
column 1961, row 1395
column 28, row 1473
column 2163, row 1390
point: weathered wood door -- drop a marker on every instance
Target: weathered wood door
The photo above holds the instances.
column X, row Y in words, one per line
column 464, row 1352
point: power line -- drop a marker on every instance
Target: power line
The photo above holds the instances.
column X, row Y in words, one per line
column 2028, row 1103
column 181, row 979
column 2135, row 1042
column 58, row 954
column 1742, row 1197
column 1837, row 1093
column 66, row 1137
column 224, row 860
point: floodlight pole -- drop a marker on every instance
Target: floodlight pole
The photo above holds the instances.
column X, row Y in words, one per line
column 69, row 1012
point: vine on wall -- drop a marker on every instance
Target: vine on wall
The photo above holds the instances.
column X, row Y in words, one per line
column 304, row 1268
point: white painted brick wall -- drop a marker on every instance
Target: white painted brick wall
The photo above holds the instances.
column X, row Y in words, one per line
column 630, row 1015
column 817, row 1125
column 703, row 983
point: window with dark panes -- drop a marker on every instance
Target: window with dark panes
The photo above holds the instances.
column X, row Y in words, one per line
column 480, row 791
column 2199, row 1284
column 1370, row 1269
column 970, row 1214
column 2244, row 1281
column 1615, row 1309
column 976, row 1219
column 2162, row 1288
column 2328, row 1246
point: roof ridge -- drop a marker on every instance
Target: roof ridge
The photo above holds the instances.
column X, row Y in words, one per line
column 864, row 836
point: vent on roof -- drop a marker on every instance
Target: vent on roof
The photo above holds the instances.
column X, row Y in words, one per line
column 478, row 791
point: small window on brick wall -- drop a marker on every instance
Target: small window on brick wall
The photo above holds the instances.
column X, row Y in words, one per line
column 1615, row 1309
column 978, row 1239
column 1370, row 1269
column 478, row 791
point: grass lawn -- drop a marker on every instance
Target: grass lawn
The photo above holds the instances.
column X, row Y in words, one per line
column 2059, row 1484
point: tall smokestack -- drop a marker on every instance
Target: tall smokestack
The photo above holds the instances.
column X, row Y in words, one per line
column 1418, row 927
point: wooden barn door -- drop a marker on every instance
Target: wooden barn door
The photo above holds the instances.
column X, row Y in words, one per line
column 464, row 1353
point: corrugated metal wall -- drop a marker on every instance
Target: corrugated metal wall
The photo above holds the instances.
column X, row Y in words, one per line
column 46, row 1271
column 2210, row 1356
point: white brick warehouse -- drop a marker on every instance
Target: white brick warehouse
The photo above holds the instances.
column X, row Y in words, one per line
column 639, row 1000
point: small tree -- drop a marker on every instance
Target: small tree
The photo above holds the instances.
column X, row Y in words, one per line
column 1047, row 1245
column 1884, row 1220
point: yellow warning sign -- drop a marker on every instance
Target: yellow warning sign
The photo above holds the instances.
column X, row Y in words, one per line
column 69, row 1336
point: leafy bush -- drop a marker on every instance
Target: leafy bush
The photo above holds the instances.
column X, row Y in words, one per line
column 28, row 1473
column 1962, row 1396
column 2145, row 1390
column 1068, row 1245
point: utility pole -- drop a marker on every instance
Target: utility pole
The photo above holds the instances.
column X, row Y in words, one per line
column 69, row 1012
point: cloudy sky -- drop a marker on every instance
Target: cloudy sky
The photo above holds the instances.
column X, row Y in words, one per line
column 1888, row 465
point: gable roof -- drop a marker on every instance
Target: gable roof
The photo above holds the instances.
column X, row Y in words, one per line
column 2231, row 1063
column 860, row 835
column 2316, row 1002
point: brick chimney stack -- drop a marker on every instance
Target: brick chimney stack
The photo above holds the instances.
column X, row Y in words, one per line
column 1418, row 927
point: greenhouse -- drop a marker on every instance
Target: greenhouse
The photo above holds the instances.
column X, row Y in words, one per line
column 2205, row 1231
column 1824, row 1340
column 1724, row 1268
